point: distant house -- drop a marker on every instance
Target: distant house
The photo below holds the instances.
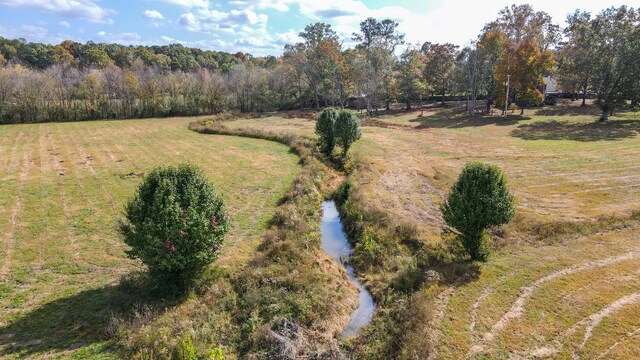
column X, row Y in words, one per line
column 357, row 102
column 550, row 86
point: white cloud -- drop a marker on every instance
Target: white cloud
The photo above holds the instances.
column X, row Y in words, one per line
column 188, row 3
column 64, row 24
column 125, row 38
column 217, row 22
column 78, row 9
column 435, row 21
column 279, row 5
column 168, row 39
column 153, row 14
column 33, row 34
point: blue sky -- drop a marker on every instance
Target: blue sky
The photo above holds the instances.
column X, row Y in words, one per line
column 260, row 27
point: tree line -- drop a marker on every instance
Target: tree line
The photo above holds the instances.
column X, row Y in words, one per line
column 597, row 54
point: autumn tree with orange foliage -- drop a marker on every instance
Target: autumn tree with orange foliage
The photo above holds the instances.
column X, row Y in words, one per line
column 526, row 65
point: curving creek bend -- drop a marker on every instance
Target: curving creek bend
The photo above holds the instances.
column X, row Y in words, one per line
column 334, row 243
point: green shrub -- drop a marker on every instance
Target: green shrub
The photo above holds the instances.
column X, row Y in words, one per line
column 479, row 199
column 185, row 349
column 325, row 130
column 175, row 224
column 369, row 249
column 347, row 130
column 342, row 194
column 216, row 354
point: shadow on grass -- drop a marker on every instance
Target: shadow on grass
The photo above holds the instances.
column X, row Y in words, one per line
column 568, row 110
column 76, row 321
column 449, row 119
column 564, row 130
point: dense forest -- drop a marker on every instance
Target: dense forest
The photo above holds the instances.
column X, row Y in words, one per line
column 597, row 54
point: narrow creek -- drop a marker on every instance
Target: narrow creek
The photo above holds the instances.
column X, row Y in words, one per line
column 334, row 243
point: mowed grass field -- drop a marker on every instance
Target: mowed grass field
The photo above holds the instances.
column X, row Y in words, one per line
column 63, row 187
column 572, row 296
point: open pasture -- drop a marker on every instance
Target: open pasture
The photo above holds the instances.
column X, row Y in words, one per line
column 63, row 187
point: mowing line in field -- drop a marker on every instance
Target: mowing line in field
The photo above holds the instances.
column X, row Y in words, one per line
column 61, row 172
column 90, row 188
column 522, row 266
column 10, row 235
column 11, row 160
column 88, row 164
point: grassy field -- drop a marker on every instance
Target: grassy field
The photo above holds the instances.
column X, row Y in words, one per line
column 62, row 189
column 554, row 293
column 563, row 281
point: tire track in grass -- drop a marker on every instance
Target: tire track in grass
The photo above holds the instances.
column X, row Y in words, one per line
column 91, row 161
column 49, row 187
column 517, row 308
column 595, row 319
column 629, row 336
column 522, row 267
column 44, row 220
column 70, row 172
column 627, row 277
column 589, row 323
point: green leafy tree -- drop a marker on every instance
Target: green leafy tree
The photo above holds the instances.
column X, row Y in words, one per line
column 412, row 86
column 36, row 55
column 616, row 60
column 347, row 130
column 93, row 56
column 439, row 61
column 325, row 130
column 175, row 224
column 479, row 199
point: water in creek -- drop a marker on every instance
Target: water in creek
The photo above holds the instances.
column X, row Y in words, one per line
column 334, row 243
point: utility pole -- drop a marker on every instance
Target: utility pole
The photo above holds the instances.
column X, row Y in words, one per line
column 506, row 98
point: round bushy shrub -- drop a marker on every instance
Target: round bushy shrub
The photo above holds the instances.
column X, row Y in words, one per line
column 175, row 223
column 479, row 199
column 347, row 130
column 325, row 131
